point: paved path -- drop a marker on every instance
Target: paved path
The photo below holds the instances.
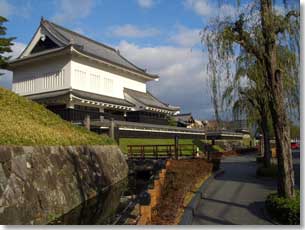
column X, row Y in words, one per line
column 237, row 196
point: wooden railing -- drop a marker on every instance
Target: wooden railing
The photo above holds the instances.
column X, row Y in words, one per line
column 161, row 151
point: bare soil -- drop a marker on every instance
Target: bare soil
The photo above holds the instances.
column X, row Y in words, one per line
column 181, row 178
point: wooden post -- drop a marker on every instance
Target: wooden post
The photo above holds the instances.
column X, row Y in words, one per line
column 142, row 151
column 156, row 151
column 117, row 135
column 176, row 147
column 87, row 122
column 130, row 151
column 194, row 151
column 111, row 129
column 168, row 149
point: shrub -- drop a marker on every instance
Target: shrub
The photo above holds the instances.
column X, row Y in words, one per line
column 267, row 172
column 284, row 210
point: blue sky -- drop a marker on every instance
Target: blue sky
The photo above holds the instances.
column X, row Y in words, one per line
column 159, row 35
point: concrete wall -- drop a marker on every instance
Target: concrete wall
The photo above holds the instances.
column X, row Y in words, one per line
column 38, row 184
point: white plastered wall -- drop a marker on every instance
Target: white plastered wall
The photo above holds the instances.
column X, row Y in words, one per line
column 91, row 78
column 42, row 76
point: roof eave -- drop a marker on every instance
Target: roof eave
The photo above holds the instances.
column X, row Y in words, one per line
column 43, row 55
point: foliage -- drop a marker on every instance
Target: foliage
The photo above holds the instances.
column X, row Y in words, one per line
column 172, row 121
column 295, row 131
column 259, row 30
column 24, row 122
column 284, row 210
column 5, row 44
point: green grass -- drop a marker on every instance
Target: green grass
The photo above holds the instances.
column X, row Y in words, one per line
column 23, row 122
column 187, row 150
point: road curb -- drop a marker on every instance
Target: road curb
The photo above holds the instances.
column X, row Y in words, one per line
column 189, row 211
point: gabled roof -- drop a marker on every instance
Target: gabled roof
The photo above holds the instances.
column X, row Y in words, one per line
column 65, row 37
column 147, row 99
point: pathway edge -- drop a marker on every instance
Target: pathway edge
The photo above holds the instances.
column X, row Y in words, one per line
column 188, row 213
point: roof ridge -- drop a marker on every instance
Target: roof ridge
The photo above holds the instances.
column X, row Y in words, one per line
column 80, row 35
column 96, row 42
column 50, row 27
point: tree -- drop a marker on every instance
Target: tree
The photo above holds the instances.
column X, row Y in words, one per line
column 259, row 38
column 251, row 99
column 5, row 44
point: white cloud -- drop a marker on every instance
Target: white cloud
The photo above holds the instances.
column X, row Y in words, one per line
column 6, row 9
column 17, row 48
column 6, row 76
column 227, row 10
column 183, row 79
column 206, row 8
column 133, row 31
column 201, row 7
column 79, row 30
column 186, row 37
column 145, row 3
column 70, row 10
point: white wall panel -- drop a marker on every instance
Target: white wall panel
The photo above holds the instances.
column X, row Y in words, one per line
column 101, row 81
column 42, row 76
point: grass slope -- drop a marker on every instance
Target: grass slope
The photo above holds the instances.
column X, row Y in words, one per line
column 23, row 122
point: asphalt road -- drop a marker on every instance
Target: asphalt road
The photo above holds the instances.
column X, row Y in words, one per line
column 237, row 196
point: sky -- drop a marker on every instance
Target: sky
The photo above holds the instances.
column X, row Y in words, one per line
column 158, row 35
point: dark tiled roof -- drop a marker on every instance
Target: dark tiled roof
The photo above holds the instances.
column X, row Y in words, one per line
column 100, row 98
column 82, row 95
column 89, row 46
column 149, row 100
column 185, row 117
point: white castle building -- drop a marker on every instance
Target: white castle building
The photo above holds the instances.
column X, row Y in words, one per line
column 75, row 76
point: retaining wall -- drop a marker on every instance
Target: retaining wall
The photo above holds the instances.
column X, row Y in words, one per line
column 38, row 184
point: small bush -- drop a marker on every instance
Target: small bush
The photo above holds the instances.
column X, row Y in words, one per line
column 283, row 210
column 267, row 172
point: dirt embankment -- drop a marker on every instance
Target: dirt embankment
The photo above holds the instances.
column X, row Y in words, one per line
column 182, row 176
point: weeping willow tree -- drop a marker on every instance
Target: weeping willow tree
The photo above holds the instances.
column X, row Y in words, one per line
column 247, row 96
column 257, row 29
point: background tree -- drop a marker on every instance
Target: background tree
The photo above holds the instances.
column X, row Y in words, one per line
column 256, row 31
column 5, row 44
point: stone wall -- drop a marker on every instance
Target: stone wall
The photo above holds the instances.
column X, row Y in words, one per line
column 38, row 184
